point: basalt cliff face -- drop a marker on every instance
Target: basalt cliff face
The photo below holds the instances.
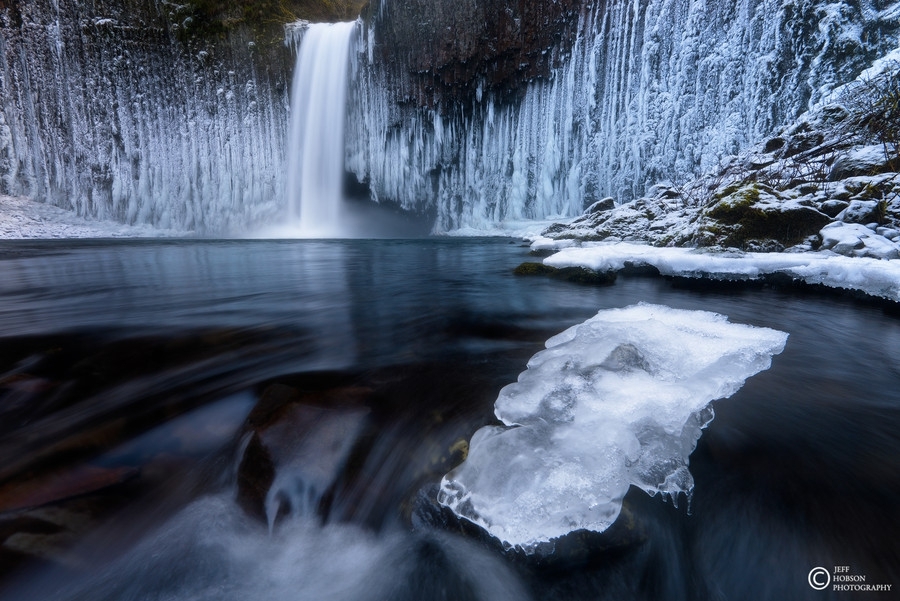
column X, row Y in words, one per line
column 441, row 54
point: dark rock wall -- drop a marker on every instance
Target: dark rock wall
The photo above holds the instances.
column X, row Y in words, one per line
column 452, row 48
column 476, row 111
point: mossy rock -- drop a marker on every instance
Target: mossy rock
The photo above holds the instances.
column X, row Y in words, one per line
column 736, row 202
column 531, row 268
column 756, row 212
column 578, row 275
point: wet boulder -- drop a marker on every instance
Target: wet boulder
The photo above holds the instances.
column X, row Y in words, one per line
column 296, row 444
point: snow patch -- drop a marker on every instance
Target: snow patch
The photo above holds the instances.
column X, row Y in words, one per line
column 617, row 400
column 873, row 276
column 24, row 218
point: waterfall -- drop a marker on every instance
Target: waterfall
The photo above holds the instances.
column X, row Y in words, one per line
column 107, row 114
column 315, row 159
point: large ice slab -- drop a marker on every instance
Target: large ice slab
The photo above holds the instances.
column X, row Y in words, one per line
column 617, row 400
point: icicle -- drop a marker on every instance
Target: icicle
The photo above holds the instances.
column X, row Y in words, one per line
column 653, row 90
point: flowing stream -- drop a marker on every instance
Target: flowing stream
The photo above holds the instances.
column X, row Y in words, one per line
column 152, row 354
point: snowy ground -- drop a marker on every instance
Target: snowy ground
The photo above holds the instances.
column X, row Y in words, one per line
column 21, row 218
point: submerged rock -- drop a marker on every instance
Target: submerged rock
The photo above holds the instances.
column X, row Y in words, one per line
column 297, row 444
column 577, row 275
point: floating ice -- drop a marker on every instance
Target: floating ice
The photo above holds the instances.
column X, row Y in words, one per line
column 617, row 400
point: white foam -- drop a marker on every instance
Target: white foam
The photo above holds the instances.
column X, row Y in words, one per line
column 617, row 400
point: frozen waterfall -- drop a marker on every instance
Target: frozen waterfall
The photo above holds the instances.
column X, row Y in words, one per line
column 315, row 159
column 653, row 90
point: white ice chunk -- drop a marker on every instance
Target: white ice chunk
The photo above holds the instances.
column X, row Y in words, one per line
column 617, row 400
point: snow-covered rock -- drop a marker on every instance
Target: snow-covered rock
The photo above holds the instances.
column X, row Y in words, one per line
column 862, row 211
column 875, row 277
column 855, row 240
column 606, row 204
column 829, row 164
column 833, row 208
column 864, row 160
column 753, row 215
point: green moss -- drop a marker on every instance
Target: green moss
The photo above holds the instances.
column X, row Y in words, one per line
column 727, row 191
column 882, row 211
column 870, row 192
column 733, row 207
column 534, row 269
column 740, row 218
column 578, row 275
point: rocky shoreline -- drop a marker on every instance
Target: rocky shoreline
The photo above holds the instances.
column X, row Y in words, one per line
column 808, row 187
column 826, row 187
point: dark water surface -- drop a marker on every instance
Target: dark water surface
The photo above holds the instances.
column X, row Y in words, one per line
column 128, row 370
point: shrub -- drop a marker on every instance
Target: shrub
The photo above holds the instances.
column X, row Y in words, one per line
column 879, row 105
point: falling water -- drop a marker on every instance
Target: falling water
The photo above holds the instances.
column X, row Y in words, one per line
column 316, row 149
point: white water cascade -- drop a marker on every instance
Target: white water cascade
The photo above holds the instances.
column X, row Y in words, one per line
column 315, row 160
